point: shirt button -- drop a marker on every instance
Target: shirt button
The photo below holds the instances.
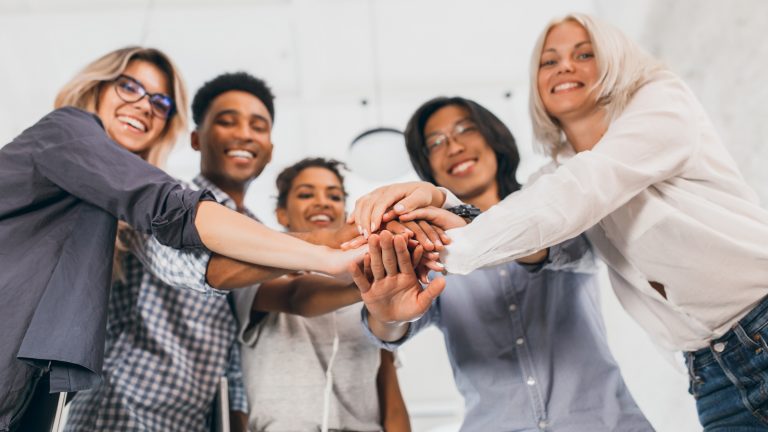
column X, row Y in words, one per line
column 543, row 424
column 520, row 341
column 531, row 381
column 719, row 347
column 513, row 307
column 502, row 272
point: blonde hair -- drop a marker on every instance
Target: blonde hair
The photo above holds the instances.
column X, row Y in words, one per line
column 623, row 68
column 82, row 91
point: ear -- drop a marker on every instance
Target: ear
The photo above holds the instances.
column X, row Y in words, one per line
column 282, row 217
column 195, row 140
column 271, row 151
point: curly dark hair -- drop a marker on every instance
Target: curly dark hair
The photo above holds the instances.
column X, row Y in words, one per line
column 223, row 83
column 496, row 134
column 288, row 175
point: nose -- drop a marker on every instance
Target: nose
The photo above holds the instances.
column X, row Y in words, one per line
column 565, row 65
column 243, row 132
column 454, row 147
column 143, row 105
column 322, row 200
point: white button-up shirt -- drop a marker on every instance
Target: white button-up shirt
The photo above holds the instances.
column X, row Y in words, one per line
column 662, row 201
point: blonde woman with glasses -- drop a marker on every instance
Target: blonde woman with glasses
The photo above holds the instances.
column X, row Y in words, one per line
column 638, row 166
column 66, row 182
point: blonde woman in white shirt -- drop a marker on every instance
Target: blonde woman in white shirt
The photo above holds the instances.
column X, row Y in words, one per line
column 637, row 165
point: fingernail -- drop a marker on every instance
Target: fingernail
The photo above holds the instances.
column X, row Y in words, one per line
column 373, row 227
column 360, row 230
column 365, row 233
column 439, row 264
column 400, row 207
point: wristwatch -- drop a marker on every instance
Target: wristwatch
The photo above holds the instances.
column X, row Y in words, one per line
column 468, row 212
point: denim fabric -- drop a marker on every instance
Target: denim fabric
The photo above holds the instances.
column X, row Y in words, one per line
column 729, row 379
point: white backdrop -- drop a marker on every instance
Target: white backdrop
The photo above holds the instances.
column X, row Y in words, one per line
column 324, row 57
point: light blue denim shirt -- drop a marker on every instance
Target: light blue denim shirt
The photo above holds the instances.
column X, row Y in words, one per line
column 528, row 349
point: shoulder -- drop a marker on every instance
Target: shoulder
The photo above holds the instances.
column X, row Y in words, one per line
column 69, row 123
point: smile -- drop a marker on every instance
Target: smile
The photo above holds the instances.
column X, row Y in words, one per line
column 566, row 86
column 244, row 154
column 133, row 122
column 462, row 167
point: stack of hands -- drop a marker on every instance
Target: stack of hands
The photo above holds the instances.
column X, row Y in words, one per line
column 403, row 228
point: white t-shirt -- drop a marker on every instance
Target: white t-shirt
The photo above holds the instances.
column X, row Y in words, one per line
column 285, row 358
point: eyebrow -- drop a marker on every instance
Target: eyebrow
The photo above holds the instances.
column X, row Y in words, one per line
column 311, row 186
column 463, row 119
column 236, row 112
column 578, row 45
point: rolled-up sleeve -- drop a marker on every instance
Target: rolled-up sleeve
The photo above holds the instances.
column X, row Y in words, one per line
column 654, row 139
column 77, row 156
column 179, row 268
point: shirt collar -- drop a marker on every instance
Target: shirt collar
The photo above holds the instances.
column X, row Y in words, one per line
column 221, row 196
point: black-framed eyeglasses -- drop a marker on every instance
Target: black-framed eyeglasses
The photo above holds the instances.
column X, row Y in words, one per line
column 461, row 131
column 130, row 90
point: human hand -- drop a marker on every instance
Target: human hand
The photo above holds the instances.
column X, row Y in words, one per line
column 432, row 238
column 393, row 200
column 437, row 217
column 393, row 294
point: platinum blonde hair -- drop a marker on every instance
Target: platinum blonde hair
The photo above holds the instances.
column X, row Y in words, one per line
column 82, row 91
column 623, row 68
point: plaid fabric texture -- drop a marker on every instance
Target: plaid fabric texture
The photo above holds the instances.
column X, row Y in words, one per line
column 170, row 338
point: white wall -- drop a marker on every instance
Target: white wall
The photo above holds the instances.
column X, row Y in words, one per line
column 322, row 60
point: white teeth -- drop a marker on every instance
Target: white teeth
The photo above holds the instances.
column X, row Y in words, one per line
column 565, row 86
column 240, row 153
column 133, row 122
column 320, row 218
column 460, row 168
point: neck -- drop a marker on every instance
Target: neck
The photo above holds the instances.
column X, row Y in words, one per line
column 586, row 131
column 484, row 199
column 236, row 190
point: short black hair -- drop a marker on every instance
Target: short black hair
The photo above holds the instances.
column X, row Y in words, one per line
column 287, row 176
column 496, row 134
column 223, row 83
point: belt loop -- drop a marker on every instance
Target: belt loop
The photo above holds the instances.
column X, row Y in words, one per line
column 689, row 357
column 744, row 338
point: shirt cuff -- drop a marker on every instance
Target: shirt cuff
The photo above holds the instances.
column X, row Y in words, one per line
column 450, row 199
column 389, row 346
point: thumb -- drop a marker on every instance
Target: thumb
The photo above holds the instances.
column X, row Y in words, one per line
column 430, row 293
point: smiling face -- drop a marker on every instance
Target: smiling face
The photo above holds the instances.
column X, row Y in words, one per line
column 133, row 125
column 568, row 73
column 234, row 138
column 315, row 200
column 467, row 166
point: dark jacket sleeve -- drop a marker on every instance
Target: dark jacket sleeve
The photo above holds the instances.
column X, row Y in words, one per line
column 77, row 155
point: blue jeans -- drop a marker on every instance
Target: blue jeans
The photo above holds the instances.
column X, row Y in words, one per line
column 729, row 379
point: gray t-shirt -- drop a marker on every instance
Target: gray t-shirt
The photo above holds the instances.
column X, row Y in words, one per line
column 285, row 358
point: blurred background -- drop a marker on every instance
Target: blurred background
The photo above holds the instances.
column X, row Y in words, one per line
column 342, row 67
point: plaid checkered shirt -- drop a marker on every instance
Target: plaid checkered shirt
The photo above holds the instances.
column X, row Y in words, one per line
column 170, row 337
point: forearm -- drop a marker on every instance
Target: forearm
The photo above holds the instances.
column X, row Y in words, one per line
column 391, row 404
column 306, row 295
column 227, row 273
column 234, row 235
column 312, row 297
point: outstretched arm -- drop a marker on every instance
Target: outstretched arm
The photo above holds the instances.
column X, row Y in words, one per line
column 306, row 295
column 229, row 233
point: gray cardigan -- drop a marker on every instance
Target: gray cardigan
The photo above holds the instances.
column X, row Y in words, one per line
column 63, row 186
